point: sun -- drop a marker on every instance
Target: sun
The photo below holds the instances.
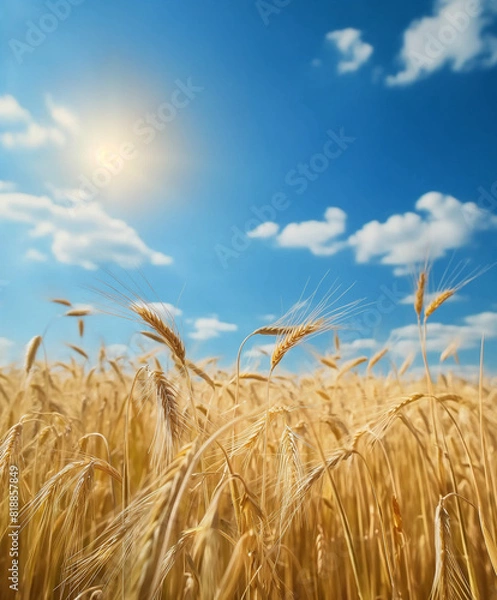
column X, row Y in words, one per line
column 112, row 162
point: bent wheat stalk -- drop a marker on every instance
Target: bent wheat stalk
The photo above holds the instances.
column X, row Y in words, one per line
column 165, row 332
column 31, row 350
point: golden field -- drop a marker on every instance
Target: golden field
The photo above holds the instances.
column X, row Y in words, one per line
column 139, row 480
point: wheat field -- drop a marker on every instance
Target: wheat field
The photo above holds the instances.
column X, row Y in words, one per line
column 159, row 477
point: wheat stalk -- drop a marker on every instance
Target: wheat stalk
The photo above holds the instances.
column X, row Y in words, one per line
column 78, row 312
column 420, row 293
column 31, row 350
column 406, row 364
column 294, row 337
column 166, row 333
column 437, row 302
column 62, row 301
column 450, row 350
column 351, row 364
column 376, row 358
column 79, row 350
column 168, row 429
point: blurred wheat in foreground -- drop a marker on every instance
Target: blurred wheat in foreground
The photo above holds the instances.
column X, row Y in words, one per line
column 138, row 482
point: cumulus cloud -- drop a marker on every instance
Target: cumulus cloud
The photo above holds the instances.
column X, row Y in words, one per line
column 206, row 328
column 360, row 344
column 467, row 372
column 72, row 195
column 11, row 111
column 268, row 318
column 27, row 132
column 33, row 136
column 442, row 223
column 405, row 340
column 429, row 297
column 264, row 230
column 456, row 36
column 35, row 255
column 260, row 351
column 7, row 186
column 166, row 309
column 354, row 51
column 115, row 351
column 317, row 236
column 83, row 235
column 61, row 115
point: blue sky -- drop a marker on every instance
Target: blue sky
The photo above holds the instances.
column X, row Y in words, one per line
column 230, row 153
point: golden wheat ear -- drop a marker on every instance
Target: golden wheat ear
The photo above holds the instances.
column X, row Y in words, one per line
column 419, row 296
column 31, row 351
column 293, row 338
column 165, row 332
column 437, row 302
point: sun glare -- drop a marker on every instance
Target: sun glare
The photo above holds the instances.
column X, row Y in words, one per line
column 113, row 162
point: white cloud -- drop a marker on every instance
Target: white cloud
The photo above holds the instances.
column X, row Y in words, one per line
column 466, row 372
column 7, row 186
column 5, row 350
column 269, row 318
column 354, row 51
column 210, row 327
column 35, row 255
column 73, row 195
column 316, row 236
column 86, row 307
column 260, row 351
column 61, row 115
column 455, row 36
column 11, row 111
column 83, row 235
column 264, row 230
column 114, row 351
column 33, row 134
column 429, row 297
column 352, row 348
column 440, row 224
column 444, row 224
column 166, row 309
column 405, row 340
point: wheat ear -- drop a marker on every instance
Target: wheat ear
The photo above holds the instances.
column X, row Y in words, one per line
column 169, row 337
column 437, row 302
column 31, row 351
column 294, row 337
column 420, row 294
